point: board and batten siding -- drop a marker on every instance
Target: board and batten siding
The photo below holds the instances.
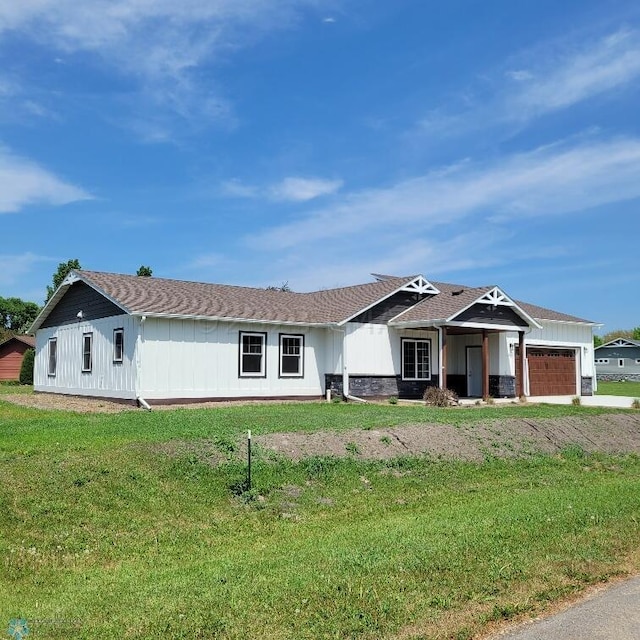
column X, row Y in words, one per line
column 375, row 349
column 106, row 378
column 200, row 359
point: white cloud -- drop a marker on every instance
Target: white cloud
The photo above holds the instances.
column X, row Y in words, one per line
column 290, row 189
column 15, row 267
column 548, row 181
column 553, row 77
column 23, row 182
column 302, row 189
column 162, row 44
column 562, row 81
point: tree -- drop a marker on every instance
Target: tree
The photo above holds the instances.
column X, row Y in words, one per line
column 597, row 341
column 144, row 272
column 16, row 315
column 636, row 333
column 60, row 275
column 283, row 287
column 26, row 370
column 617, row 333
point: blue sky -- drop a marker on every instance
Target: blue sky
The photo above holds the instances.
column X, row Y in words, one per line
column 261, row 141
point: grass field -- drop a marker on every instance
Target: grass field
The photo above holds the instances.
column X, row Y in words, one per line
column 108, row 531
column 630, row 389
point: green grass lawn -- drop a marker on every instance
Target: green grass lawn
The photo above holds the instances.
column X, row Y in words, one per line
column 630, row 389
column 103, row 534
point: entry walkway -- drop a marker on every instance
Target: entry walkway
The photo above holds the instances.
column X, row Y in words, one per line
column 621, row 402
column 610, row 614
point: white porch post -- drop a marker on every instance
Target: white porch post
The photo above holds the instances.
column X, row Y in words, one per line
column 345, row 369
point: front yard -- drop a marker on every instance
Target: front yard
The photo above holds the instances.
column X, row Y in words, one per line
column 116, row 525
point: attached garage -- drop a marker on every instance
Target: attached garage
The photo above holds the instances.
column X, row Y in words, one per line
column 552, row 372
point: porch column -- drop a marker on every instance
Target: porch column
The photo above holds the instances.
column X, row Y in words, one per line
column 485, row 364
column 443, row 355
column 523, row 358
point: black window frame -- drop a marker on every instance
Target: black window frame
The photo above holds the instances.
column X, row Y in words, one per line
column 263, row 354
column 415, row 341
column 89, row 368
column 119, row 331
column 300, row 338
column 51, row 371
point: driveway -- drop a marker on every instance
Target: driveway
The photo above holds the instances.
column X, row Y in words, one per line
column 610, row 614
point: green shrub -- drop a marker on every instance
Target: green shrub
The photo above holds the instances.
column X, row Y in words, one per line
column 635, row 404
column 576, row 401
column 26, row 370
column 393, row 400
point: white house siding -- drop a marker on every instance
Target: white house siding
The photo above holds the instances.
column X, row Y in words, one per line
column 200, row 359
column 108, row 379
column 375, row 349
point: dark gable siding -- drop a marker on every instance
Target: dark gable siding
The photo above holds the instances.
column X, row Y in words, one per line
column 618, row 352
column 482, row 314
column 389, row 308
column 81, row 297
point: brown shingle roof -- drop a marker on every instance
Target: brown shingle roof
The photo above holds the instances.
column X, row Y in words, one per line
column 139, row 295
column 28, row 340
column 540, row 313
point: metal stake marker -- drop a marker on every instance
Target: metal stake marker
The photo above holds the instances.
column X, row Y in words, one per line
column 249, row 460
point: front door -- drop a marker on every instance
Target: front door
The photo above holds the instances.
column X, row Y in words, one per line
column 474, row 372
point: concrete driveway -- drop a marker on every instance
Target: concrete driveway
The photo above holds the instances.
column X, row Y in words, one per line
column 610, row 614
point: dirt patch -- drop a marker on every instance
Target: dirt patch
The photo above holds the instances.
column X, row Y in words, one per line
column 611, row 433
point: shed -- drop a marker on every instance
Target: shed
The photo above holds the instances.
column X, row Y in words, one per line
column 11, row 354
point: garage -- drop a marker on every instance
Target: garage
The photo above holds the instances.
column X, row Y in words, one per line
column 552, row 372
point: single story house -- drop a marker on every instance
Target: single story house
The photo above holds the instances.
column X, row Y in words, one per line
column 157, row 340
column 618, row 359
column 12, row 352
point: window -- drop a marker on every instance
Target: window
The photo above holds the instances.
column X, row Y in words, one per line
column 416, row 360
column 621, row 362
column 602, row 360
column 87, row 342
column 291, row 356
column 637, row 360
column 118, row 345
column 252, row 355
column 53, row 348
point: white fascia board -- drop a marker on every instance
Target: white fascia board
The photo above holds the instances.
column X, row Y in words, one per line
column 394, row 322
column 483, row 325
column 71, row 278
column 582, row 324
column 616, row 343
column 179, row 316
column 373, row 304
column 521, row 312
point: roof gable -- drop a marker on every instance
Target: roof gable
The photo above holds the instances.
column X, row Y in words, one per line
column 620, row 342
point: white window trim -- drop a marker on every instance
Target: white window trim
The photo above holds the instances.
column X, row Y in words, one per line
column 415, row 341
column 88, row 334
column 116, row 359
column 263, row 354
column 602, row 360
column 52, row 342
column 621, row 363
column 300, row 338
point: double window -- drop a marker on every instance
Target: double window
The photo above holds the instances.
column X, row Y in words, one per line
column 291, row 356
column 252, row 355
column 87, row 347
column 53, row 355
column 416, row 359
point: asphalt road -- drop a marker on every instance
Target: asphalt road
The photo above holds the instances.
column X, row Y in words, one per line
column 611, row 614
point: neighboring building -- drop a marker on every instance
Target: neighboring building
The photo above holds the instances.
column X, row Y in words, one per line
column 12, row 351
column 128, row 337
column 618, row 360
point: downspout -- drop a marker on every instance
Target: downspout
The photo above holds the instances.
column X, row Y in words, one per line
column 140, row 341
column 345, row 369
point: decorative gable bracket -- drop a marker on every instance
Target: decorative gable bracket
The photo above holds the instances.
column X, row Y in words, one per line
column 496, row 298
column 421, row 286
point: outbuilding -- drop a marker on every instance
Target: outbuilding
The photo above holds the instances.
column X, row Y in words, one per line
column 12, row 352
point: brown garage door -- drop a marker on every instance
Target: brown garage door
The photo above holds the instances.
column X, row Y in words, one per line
column 552, row 372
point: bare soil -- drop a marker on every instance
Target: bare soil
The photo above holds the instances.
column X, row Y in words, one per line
column 506, row 437
column 511, row 437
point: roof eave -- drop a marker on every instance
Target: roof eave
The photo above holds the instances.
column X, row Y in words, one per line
column 181, row 316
